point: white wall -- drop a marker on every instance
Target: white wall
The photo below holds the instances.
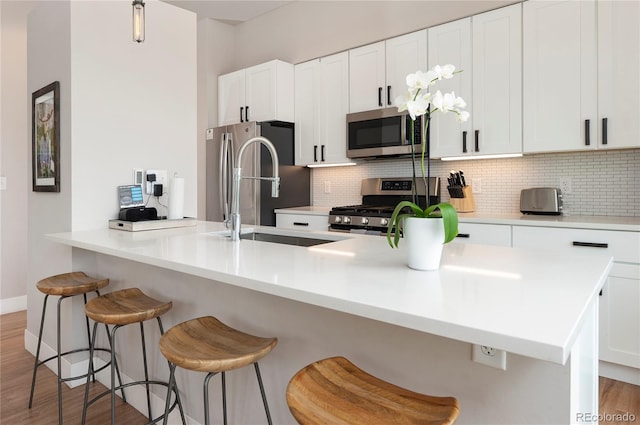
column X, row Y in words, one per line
column 14, row 142
column 123, row 105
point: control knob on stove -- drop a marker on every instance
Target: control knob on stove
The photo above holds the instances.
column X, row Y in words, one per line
column 365, row 220
column 337, row 219
column 346, row 220
column 384, row 222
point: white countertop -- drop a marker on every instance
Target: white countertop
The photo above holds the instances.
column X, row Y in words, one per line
column 507, row 298
column 597, row 222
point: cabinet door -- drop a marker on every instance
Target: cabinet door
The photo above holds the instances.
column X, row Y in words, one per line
column 619, row 74
column 306, row 111
column 366, row 77
column 231, row 97
column 302, row 222
column 451, row 44
column 560, row 81
column 404, row 55
column 620, row 317
column 334, row 105
column 260, row 95
column 497, row 81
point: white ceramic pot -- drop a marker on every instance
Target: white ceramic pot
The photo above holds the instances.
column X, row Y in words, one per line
column 424, row 239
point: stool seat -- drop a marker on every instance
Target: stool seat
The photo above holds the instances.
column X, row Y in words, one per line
column 69, row 284
column 124, row 307
column 335, row 391
column 206, row 344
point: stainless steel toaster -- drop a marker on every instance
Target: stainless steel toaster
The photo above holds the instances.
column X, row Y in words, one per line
column 541, row 200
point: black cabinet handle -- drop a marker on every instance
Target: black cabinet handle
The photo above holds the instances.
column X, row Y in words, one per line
column 241, row 111
column 604, row 130
column 298, row 223
column 246, row 113
column 464, row 142
column 587, row 136
column 463, row 235
column 601, row 292
column 591, row 244
column 379, row 96
column 389, row 95
column 477, row 141
column 322, row 153
column 315, row 153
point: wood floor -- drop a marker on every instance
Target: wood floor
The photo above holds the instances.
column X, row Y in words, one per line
column 16, row 366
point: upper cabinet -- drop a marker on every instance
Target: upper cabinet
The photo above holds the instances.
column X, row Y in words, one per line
column 378, row 71
column 321, row 104
column 560, row 83
column 487, row 49
column 260, row 93
column 581, row 84
column 619, row 74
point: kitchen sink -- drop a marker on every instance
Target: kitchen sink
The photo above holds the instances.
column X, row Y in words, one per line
column 287, row 237
column 283, row 239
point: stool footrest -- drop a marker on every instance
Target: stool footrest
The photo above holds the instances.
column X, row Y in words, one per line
column 77, row 350
column 130, row 384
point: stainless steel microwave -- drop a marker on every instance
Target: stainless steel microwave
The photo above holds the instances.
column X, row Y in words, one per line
column 381, row 132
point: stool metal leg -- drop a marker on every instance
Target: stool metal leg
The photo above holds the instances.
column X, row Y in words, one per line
column 146, row 370
column 86, row 319
column 175, row 385
column 35, row 364
column 210, row 375
column 86, row 386
column 172, row 380
column 264, row 397
column 59, row 348
column 224, row 398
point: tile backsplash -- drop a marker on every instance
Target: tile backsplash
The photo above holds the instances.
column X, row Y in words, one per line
column 602, row 182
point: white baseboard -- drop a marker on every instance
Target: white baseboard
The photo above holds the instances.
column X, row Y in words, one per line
column 626, row 374
column 136, row 395
column 11, row 305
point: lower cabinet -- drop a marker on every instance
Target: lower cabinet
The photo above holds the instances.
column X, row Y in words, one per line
column 620, row 297
column 302, row 221
column 486, row 234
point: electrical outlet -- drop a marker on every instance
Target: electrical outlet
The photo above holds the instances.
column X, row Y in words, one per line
column 476, row 185
column 327, row 187
column 159, row 177
column 566, row 185
column 489, row 356
column 209, row 134
column 3, row 183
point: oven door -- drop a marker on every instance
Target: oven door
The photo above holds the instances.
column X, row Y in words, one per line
column 381, row 132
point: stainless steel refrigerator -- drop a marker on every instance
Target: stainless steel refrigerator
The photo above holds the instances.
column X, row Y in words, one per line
column 256, row 204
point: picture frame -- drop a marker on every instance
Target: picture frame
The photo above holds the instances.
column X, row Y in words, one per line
column 45, row 121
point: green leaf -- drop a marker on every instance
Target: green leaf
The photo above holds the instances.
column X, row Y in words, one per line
column 443, row 209
column 396, row 221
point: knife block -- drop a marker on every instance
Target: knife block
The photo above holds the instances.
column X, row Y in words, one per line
column 466, row 203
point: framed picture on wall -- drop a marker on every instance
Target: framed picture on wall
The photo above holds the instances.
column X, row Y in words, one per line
column 46, row 138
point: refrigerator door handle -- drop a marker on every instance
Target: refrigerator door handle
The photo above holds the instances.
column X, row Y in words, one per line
column 223, row 181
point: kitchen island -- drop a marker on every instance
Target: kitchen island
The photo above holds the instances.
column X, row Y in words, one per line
column 356, row 297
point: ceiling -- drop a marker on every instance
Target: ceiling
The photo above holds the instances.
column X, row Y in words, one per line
column 229, row 11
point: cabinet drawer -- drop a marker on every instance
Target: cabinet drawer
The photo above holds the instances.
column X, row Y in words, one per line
column 302, row 221
column 624, row 246
column 486, row 234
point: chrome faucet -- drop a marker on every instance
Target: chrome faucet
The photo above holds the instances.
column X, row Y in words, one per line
column 237, row 176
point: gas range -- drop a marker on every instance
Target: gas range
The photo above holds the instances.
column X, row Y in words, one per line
column 379, row 198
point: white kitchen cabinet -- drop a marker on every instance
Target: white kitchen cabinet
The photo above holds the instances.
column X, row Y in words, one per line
column 620, row 298
column 378, row 71
column 485, row 234
column 260, row 93
column 618, row 74
column 487, row 48
column 321, row 104
column 310, row 222
column 560, row 82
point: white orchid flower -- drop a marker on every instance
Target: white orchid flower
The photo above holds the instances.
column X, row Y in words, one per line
column 445, row 71
column 418, row 80
column 463, row 116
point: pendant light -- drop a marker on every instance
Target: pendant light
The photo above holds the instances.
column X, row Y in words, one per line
column 138, row 20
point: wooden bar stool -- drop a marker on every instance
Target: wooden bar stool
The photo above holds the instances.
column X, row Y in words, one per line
column 64, row 285
column 122, row 308
column 207, row 345
column 335, row 391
